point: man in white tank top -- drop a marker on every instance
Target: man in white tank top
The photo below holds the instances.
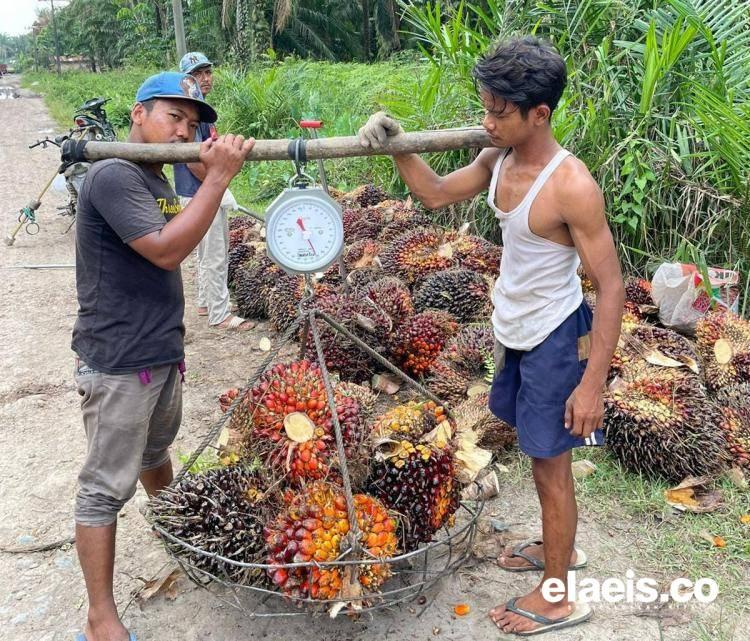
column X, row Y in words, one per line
column 552, row 359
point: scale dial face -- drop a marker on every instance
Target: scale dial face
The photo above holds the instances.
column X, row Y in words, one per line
column 305, row 233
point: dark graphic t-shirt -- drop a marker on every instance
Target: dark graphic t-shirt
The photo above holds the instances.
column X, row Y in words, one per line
column 185, row 182
column 130, row 311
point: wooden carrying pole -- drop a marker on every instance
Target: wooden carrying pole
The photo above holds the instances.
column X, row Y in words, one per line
column 338, row 147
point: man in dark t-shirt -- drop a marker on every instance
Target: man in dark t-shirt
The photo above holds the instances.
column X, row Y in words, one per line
column 125, row 324
column 131, row 236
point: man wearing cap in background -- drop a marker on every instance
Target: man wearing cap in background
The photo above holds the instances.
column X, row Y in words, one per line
column 131, row 236
column 213, row 250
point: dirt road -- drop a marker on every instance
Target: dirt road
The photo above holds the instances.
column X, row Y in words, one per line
column 42, row 595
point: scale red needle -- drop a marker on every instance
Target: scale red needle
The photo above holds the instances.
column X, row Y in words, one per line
column 302, row 227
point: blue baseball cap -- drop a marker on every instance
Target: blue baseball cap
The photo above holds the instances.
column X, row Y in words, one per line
column 181, row 86
column 193, row 60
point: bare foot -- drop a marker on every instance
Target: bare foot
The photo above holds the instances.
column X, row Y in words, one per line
column 506, row 560
column 106, row 631
column 533, row 602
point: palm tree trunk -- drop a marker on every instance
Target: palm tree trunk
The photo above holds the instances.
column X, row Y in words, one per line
column 366, row 29
column 157, row 19
column 395, row 24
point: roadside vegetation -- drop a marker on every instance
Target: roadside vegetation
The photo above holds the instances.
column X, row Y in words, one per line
column 658, row 106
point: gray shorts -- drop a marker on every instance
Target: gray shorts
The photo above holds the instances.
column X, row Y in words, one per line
column 129, row 427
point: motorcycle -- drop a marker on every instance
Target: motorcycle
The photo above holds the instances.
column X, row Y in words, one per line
column 91, row 123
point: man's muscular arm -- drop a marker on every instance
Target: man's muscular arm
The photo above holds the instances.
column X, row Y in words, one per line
column 435, row 191
column 582, row 208
column 431, row 190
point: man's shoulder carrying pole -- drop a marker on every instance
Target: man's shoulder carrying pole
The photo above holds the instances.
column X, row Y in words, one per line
column 417, row 142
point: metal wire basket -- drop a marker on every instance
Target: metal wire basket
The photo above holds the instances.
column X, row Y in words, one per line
column 411, row 573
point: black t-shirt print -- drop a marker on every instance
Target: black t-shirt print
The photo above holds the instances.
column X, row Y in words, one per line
column 130, row 311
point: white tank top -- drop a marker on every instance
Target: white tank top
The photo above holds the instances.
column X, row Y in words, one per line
column 538, row 287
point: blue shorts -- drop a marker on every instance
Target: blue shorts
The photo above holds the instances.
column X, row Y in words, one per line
column 531, row 389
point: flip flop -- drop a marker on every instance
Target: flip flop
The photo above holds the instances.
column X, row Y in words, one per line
column 82, row 637
column 235, row 323
column 538, row 564
column 581, row 612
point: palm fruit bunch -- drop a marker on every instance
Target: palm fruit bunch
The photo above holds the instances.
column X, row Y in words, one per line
column 644, row 347
column 399, row 216
column 360, row 278
column 364, row 196
column 475, row 253
column 220, row 511
column 360, row 253
column 362, row 223
column 415, row 254
column 587, row 285
column 237, row 257
column 331, row 277
column 736, row 426
column 315, row 528
column 242, row 222
column 363, row 395
column 392, row 296
column 417, row 481
column 632, row 316
column 238, row 231
column 415, row 469
column 662, row 424
column 236, row 238
column 421, row 338
column 361, row 318
column 252, row 285
column 241, row 421
column 463, row 293
column 398, row 226
column 288, row 422
column 638, row 291
column 461, row 367
column 354, row 228
column 396, row 210
column 590, row 299
column 227, row 397
column 723, row 341
column 410, row 420
column 494, row 433
column 284, row 299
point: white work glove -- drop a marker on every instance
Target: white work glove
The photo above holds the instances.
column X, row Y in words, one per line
column 378, row 129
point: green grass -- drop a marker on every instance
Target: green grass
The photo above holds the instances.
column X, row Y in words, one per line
column 62, row 95
column 721, row 629
column 670, row 542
